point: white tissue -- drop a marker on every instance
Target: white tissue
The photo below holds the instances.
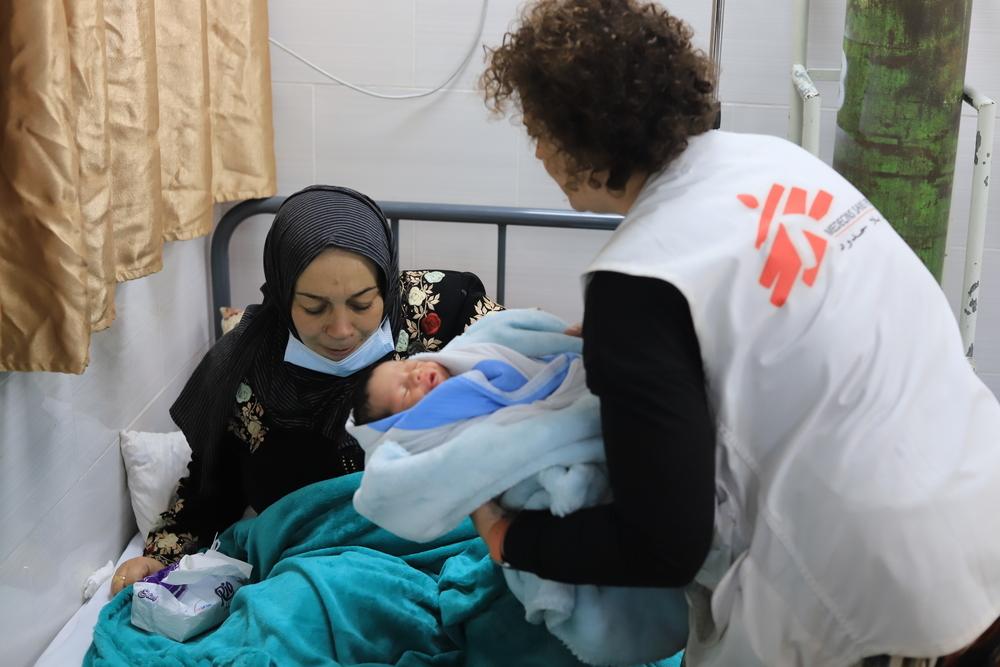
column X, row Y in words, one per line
column 193, row 568
column 210, row 581
column 95, row 580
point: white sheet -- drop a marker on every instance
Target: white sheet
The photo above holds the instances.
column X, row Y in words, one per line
column 73, row 640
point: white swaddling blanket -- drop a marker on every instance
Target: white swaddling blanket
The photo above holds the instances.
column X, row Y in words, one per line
column 526, row 429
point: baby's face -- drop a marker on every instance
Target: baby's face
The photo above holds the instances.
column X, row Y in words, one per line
column 398, row 385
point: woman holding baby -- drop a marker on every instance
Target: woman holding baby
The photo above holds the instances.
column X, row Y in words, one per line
column 265, row 410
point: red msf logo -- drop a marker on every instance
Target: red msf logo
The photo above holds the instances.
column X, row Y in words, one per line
column 784, row 265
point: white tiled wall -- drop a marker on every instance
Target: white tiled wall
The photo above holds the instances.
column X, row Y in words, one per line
column 64, row 510
column 446, row 148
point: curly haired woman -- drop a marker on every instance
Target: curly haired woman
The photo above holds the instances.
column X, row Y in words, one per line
column 778, row 439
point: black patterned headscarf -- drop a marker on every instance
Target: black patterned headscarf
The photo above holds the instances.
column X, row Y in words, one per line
column 308, row 222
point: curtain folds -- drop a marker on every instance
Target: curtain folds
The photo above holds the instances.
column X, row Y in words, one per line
column 122, row 122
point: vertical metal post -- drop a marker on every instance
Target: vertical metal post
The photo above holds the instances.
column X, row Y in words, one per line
column 715, row 43
column 982, row 163
column 501, row 260
column 809, row 100
column 800, row 39
column 394, row 226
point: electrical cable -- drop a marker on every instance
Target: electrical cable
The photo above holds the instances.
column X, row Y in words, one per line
column 409, row 96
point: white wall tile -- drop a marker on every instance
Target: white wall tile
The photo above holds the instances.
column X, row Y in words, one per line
column 826, row 33
column 544, row 268
column 442, row 148
column 991, row 380
column 444, row 30
column 246, row 252
column 951, row 276
column 294, row 136
column 535, row 188
column 41, row 582
column 127, row 364
column 156, row 416
column 984, row 49
column 366, row 43
column 407, row 243
column 462, row 247
column 756, row 55
column 755, row 118
column 38, row 452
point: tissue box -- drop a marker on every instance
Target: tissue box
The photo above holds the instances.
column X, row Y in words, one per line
column 189, row 597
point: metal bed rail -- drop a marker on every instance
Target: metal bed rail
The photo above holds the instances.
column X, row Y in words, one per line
column 501, row 216
column 982, row 161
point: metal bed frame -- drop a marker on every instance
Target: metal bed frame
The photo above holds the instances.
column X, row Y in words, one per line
column 501, row 216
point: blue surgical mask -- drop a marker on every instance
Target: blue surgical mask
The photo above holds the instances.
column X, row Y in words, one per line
column 376, row 346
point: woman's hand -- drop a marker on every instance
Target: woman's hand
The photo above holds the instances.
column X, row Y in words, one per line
column 574, row 330
column 132, row 571
column 491, row 523
column 486, row 516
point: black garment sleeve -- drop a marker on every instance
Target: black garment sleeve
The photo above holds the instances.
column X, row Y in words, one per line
column 643, row 361
column 196, row 516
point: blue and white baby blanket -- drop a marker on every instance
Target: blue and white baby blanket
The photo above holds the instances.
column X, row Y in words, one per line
column 514, row 421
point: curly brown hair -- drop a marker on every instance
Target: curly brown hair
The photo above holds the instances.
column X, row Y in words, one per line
column 615, row 85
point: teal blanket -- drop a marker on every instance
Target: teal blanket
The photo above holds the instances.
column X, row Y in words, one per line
column 331, row 588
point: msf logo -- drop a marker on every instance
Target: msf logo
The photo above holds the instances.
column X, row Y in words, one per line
column 785, row 264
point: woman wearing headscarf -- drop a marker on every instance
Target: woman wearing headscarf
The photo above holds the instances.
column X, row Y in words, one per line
column 264, row 412
column 792, row 430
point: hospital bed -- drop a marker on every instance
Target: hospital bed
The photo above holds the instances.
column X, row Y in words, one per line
column 72, row 641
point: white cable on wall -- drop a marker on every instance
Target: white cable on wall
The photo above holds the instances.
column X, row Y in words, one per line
column 409, row 96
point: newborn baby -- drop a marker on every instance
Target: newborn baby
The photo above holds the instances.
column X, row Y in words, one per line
column 394, row 386
column 393, row 405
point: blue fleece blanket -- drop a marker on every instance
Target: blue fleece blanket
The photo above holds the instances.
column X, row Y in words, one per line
column 331, row 588
column 527, row 431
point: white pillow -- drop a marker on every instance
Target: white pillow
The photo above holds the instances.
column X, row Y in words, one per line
column 154, row 463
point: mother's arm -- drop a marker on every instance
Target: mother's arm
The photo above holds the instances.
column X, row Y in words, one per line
column 191, row 522
column 643, row 361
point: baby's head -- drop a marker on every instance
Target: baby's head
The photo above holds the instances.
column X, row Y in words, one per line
column 393, row 386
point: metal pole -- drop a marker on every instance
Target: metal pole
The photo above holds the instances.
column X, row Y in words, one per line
column 501, row 260
column 800, row 38
column 982, row 162
column 715, row 43
column 808, row 96
column 394, row 226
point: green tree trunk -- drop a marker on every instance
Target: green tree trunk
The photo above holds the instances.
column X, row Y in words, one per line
column 897, row 129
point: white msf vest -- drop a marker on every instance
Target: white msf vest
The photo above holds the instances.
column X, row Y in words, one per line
column 858, row 461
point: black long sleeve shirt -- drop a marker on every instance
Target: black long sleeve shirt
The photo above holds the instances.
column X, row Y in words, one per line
column 643, row 361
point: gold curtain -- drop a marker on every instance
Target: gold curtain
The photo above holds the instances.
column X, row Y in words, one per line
column 121, row 122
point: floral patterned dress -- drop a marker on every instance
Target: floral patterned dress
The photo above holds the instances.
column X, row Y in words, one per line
column 263, row 462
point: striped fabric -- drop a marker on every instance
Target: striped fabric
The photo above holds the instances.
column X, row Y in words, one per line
column 897, row 661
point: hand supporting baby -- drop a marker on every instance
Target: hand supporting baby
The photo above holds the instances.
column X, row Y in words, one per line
column 490, row 519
